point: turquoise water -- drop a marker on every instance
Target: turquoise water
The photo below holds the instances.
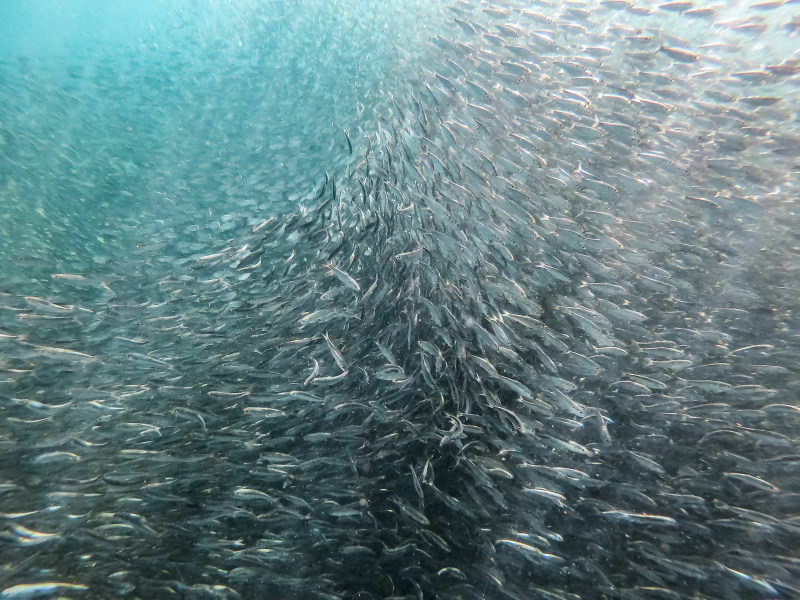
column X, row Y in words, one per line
column 391, row 299
column 150, row 112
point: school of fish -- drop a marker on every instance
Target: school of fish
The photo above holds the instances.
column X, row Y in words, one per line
column 365, row 300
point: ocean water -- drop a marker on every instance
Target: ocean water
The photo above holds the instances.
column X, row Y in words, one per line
column 399, row 299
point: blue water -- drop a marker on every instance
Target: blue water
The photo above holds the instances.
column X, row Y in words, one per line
column 116, row 118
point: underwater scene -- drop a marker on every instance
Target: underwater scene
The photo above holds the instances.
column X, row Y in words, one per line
column 360, row 299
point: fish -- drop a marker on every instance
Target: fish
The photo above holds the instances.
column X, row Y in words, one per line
column 24, row 591
column 337, row 355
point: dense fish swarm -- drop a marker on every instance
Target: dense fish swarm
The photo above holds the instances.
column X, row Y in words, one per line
column 360, row 300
